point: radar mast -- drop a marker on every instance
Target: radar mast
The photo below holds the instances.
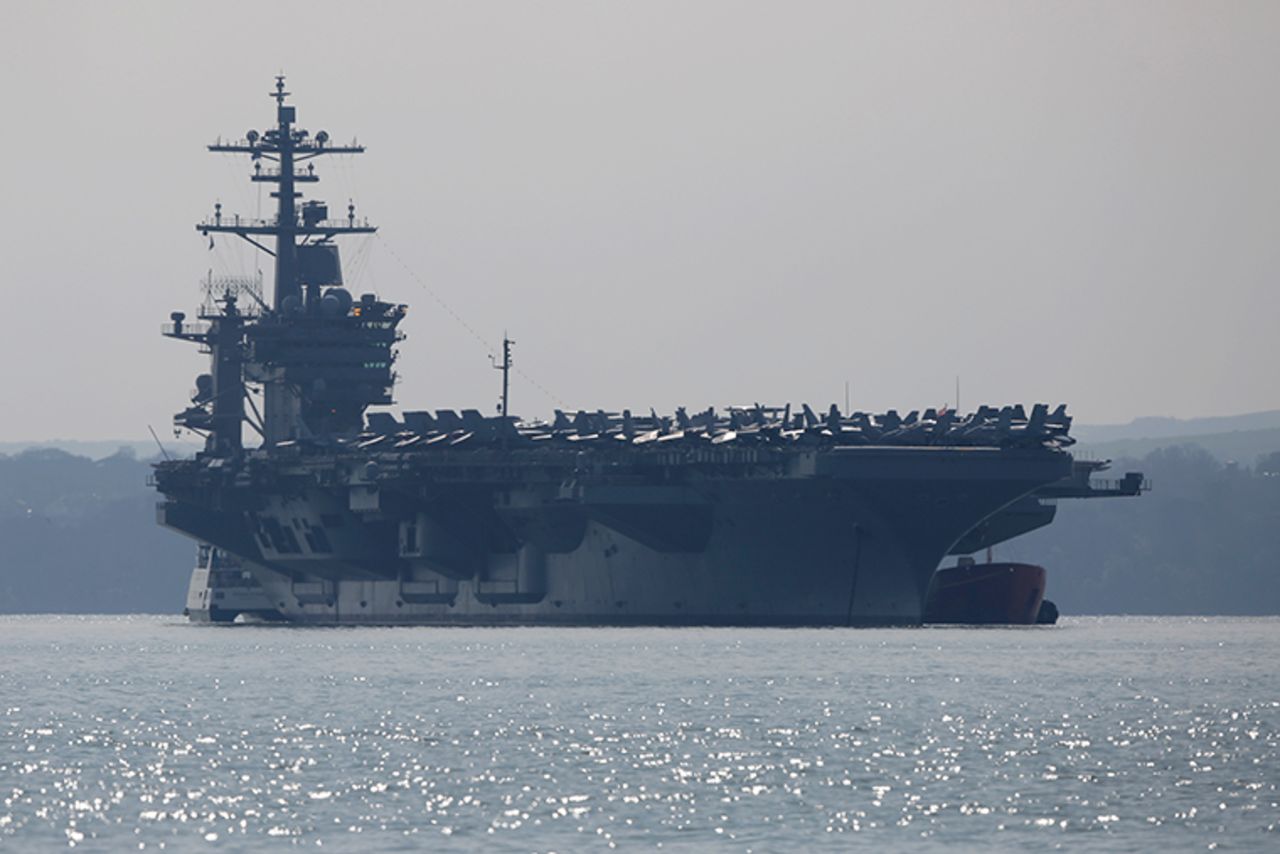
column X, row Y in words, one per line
column 287, row 146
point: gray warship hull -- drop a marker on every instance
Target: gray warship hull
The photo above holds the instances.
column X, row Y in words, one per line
column 822, row 537
column 760, row 515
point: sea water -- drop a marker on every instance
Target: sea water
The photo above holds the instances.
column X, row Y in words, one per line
column 145, row 733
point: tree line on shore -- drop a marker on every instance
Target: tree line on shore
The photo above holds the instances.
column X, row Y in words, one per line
column 79, row 536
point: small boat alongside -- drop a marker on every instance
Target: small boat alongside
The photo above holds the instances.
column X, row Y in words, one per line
column 999, row 593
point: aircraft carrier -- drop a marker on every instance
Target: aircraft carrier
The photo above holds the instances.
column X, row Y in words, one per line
column 754, row 515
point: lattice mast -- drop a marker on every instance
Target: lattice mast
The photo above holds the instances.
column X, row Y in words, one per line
column 287, row 146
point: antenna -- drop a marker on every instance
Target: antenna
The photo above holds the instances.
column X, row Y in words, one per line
column 957, row 394
column 505, row 367
column 158, row 444
column 287, row 147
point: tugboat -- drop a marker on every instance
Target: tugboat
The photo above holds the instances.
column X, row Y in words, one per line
column 754, row 515
column 986, row 594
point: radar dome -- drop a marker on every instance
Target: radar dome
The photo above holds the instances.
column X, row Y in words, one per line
column 343, row 296
column 331, row 306
column 204, row 388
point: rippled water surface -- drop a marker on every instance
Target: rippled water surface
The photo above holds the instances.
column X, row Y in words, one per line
column 1116, row 733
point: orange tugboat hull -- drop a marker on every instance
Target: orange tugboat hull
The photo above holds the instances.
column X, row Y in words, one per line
column 986, row 594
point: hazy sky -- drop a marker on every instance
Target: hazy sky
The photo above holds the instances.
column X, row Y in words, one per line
column 669, row 203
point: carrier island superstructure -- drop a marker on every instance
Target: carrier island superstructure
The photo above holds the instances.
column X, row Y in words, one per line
column 755, row 515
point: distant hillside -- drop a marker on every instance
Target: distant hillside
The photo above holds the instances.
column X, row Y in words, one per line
column 98, row 449
column 80, row 536
column 1159, row 427
column 1204, row 540
column 1241, row 446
